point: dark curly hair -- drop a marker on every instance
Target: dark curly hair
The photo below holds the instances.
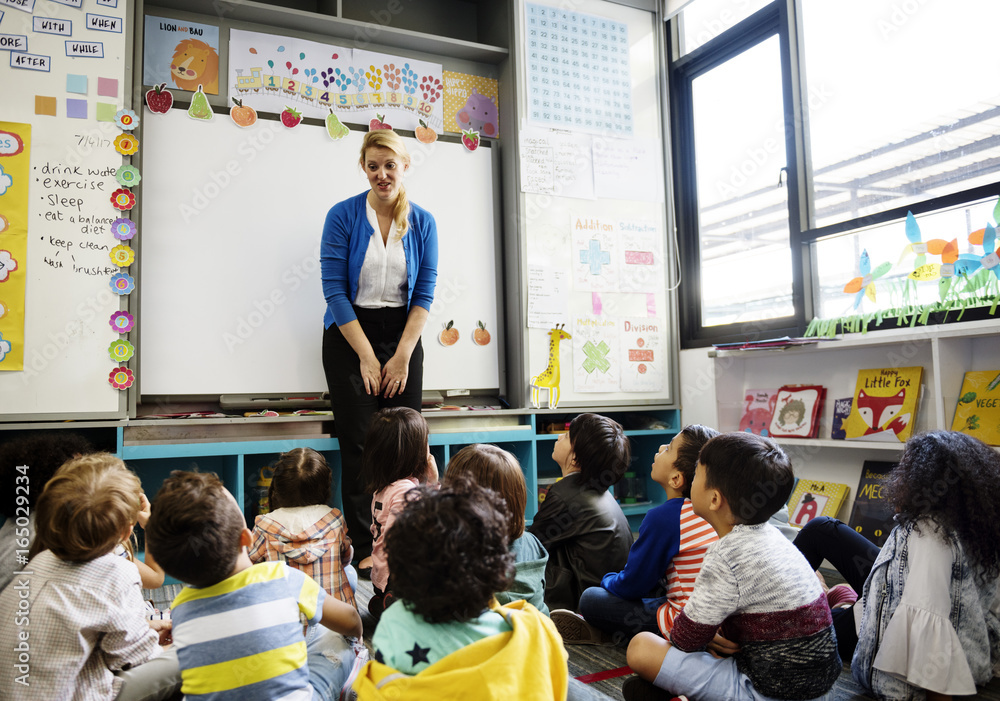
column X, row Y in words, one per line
column 693, row 436
column 602, row 450
column 448, row 550
column 43, row 452
column 954, row 479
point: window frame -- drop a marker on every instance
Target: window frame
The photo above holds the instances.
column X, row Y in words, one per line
column 783, row 19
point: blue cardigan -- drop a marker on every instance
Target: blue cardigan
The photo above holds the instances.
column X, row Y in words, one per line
column 346, row 234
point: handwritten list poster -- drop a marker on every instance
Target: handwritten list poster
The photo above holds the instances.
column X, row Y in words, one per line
column 67, row 86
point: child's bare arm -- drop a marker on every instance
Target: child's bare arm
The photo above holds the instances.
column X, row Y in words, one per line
column 341, row 618
column 149, row 572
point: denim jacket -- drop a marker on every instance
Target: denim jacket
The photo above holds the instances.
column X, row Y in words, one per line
column 972, row 613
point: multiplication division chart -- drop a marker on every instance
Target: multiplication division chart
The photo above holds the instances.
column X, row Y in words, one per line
column 578, row 71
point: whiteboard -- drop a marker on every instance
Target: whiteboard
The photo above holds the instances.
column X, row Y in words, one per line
column 231, row 297
column 67, row 300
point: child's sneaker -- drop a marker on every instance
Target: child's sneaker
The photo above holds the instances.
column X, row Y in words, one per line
column 574, row 629
column 637, row 689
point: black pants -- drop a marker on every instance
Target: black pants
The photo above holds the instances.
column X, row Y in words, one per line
column 852, row 555
column 353, row 409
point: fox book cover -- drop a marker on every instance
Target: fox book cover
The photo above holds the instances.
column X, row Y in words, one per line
column 872, row 515
column 978, row 410
column 812, row 498
column 884, row 406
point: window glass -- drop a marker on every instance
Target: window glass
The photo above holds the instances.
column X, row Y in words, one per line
column 704, row 20
column 942, row 279
column 903, row 105
column 746, row 272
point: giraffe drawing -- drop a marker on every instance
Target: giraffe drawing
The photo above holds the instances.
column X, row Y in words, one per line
column 549, row 378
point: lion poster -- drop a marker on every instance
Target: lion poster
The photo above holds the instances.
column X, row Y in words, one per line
column 181, row 54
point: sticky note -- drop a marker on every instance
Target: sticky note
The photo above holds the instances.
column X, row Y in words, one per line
column 76, row 109
column 76, row 83
column 107, row 87
column 106, row 111
column 45, row 105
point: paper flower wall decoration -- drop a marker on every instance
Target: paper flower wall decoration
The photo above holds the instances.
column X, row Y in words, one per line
column 3, row 309
column 123, row 199
column 122, row 256
column 865, row 284
column 970, row 262
column 126, row 119
column 128, row 176
column 126, row 144
column 5, row 347
column 8, row 264
column 121, row 350
column 123, row 228
column 121, row 378
column 122, row 322
column 922, row 270
column 3, row 223
column 122, row 283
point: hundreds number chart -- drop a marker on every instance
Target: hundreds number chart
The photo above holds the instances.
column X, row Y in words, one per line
column 578, row 71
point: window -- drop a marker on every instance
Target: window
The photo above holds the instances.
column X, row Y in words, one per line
column 803, row 133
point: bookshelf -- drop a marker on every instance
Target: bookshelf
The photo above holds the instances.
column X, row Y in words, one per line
column 945, row 352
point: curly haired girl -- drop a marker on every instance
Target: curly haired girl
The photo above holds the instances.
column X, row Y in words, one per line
column 929, row 623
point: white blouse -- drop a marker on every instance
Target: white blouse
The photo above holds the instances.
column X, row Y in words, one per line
column 920, row 646
column 382, row 282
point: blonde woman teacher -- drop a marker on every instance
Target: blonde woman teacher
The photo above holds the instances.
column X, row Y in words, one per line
column 379, row 264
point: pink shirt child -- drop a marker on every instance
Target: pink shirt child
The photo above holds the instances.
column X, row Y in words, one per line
column 386, row 504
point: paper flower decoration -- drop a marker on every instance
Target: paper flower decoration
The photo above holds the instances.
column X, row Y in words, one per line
column 121, row 350
column 126, row 119
column 122, row 322
column 8, row 264
column 922, row 270
column 865, row 284
column 122, row 283
column 6, row 181
column 4, row 348
column 121, row 378
column 123, row 199
column 3, row 309
column 122, row 255
column 126, row 144
column 123, row 228
column 970, row 262
column 3, row 223
column 128, row 176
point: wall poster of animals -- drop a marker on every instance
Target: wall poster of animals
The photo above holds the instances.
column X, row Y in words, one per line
column 471, row 102
column 181, row 54
column 271, row 73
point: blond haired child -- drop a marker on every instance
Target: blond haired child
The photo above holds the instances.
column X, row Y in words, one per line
column 84, row 620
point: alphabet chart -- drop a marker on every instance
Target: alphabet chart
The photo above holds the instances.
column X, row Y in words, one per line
column 578, row 71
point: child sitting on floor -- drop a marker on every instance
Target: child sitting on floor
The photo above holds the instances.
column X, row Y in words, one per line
column 82, row 619
column 396, row 459
column 447, row 637
column 496, row 469
column 580, row 523
column 663, row 562
column 928, row 617
column 301, row 529
column 236, row 625
column 756, row 597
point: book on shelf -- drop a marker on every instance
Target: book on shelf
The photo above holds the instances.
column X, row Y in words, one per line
column 812, row 498
column 871, row 515
column 841, row 410
column 796, row 411
column 758, row 405
column 884, row 406
column 978, row 410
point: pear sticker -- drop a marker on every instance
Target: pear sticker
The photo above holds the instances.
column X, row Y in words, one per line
column 334, row 127
column 200, row 109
